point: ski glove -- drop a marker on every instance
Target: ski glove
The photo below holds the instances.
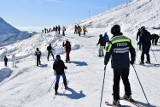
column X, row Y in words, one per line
column 65, row 67
column 132, row 62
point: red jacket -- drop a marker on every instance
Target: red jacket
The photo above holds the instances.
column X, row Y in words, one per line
column 67, row 45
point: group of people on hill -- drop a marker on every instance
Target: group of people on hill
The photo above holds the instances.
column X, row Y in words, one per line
column 78, row 30
column 50, row 49
column 58, row 65
column 56, row 29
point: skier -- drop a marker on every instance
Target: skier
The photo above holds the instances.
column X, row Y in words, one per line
column 67, row 46
column 49, row 48
column 38, row 54
column 119, row 48
column 102, row 43
column 5, row 60
column 106, row 38
column 63, row 30
column 59, row 29
column 79, row 30
column 75, row 29
column 14, row 60
column 59, row 67
column 84, row 30
column 155, row 38
column 145, row 39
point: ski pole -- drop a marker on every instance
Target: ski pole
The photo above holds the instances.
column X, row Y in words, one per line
column 154, row 55
column 141, row 85
column 51, row 85
column 103, row 86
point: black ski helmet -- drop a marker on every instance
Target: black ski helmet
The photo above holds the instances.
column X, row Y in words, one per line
column 115, row 29
column 58, row 57
column 100, row 35
column 143, row 28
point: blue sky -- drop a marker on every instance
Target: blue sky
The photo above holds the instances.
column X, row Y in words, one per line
column 44, row 13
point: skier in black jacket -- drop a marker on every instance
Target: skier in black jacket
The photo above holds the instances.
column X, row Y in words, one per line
column 49, row 48
column 59, row 67
column 145, row 39
column 119, row 48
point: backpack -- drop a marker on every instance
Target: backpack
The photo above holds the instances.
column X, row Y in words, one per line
column 106, row 38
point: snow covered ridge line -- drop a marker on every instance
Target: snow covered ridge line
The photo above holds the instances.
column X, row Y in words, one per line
column 130, row 16
column 10, row 34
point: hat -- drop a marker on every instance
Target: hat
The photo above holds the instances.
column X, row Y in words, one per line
column 58, row 57
column 115, row 29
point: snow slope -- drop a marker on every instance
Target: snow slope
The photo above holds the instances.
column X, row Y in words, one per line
column 130, row 16
column 10, row 34
column 29, row 86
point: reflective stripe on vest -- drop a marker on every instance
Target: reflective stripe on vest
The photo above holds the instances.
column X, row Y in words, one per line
column 118, row 39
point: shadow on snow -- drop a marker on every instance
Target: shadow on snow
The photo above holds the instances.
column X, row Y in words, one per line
column 5, row 73
column 79, row 63
column 73, row 95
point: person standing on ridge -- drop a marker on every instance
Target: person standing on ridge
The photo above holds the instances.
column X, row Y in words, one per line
column 14, row 60
column 58, row 67
column 5, row 61
column 84, row 30
column 118, row 49
column 79, row 29
column 63, row 30
column 75, row 29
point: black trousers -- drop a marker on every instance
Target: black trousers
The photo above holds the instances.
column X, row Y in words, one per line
column 123, row 74
column 145, row 50
column 50, row 52
column 38, row 60
column 5, row 63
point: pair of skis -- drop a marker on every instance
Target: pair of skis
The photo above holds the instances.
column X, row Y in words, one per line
column 136, row 103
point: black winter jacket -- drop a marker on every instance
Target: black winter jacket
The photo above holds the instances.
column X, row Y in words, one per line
column 59, row 67
column 119, row 48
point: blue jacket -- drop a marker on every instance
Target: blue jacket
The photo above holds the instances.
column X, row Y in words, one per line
column 119, row 48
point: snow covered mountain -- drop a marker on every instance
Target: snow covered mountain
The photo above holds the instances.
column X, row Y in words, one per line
column 130, row 16
column 30, row 86
column 10, row 34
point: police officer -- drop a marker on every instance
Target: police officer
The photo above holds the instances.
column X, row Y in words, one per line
column 119, row 48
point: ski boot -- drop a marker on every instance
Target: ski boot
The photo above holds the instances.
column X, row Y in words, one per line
column 116, row 103
column 129, row 98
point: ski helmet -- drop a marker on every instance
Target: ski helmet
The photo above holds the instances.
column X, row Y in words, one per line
column 58, row 57
column 115, row 29
column 143, row 28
